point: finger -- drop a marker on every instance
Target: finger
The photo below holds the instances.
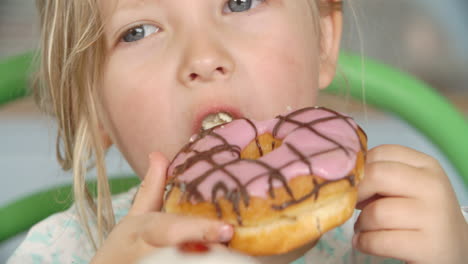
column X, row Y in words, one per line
column 171, row 229
column 391, row 213
column 150, row 194
column 398, row 244
column 388, row 178
column 401, row 154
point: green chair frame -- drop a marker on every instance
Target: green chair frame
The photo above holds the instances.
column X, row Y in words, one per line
column 364, row 79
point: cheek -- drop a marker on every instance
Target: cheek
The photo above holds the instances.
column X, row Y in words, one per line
column 287, row 65
column 284, row 63
column 126, row 93
column 133, row 105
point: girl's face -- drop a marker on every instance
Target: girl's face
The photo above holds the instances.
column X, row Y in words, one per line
column 171, row 63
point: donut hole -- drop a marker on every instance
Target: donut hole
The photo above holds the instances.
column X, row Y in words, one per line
column 264, row 144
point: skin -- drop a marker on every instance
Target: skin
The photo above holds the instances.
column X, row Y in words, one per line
column 409, row 209
column 267, row 56
column 232, row 55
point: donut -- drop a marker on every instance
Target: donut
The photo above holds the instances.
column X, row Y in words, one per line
column 281, row 183
column 195, row 253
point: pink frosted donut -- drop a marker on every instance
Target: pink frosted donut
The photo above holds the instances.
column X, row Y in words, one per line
column 255, row 174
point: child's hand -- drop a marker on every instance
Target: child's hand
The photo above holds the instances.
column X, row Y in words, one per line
column 145, row 228
column 409, row 209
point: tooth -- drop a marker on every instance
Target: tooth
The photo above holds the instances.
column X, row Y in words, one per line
column 225, row 117
column 217, row 119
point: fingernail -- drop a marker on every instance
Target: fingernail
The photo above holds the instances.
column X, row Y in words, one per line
column 225, row 233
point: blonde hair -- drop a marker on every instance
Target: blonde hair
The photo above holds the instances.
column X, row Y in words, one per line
column 71, row 61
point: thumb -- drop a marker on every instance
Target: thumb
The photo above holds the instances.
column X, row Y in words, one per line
column 149, row 197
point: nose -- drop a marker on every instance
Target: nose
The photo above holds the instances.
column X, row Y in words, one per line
column 205, row 61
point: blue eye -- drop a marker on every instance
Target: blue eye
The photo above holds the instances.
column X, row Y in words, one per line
column 139, row 32
column 241, row 5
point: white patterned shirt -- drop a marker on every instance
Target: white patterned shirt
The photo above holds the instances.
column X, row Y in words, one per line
column 61, row 239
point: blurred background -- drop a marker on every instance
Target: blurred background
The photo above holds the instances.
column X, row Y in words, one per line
column 427, row 38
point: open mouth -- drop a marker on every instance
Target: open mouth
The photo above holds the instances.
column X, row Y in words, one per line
column 216, row 119
column 211, row 116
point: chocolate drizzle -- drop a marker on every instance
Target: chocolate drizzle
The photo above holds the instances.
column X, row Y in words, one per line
column 190, row 190
column 257, row 142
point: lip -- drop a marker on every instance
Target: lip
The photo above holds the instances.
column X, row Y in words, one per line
column 204, row 111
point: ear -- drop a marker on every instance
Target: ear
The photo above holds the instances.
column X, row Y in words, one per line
column 331, row 22
column 105, row 138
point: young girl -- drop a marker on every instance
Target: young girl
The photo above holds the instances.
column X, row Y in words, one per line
column 141, row 74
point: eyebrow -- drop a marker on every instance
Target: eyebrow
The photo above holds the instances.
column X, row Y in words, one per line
column 134, row 4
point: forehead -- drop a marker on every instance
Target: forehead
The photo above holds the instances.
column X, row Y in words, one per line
column 110, row 7
column 113, row 12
